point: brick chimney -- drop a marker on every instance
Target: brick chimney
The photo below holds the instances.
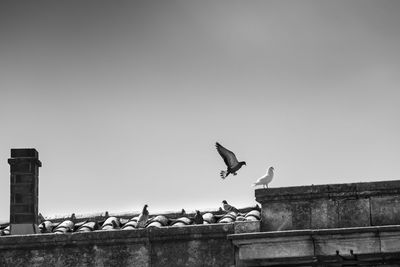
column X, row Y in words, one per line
column 24, row 174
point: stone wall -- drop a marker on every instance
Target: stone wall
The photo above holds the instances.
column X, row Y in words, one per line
column 330, row 206
column 198, row 245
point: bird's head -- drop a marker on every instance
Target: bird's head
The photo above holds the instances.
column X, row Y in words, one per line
column 224, row 202
column 271, row 169
column 243, row 162
column 145, row 207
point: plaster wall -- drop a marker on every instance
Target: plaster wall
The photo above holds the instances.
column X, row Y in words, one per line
column 205, row 245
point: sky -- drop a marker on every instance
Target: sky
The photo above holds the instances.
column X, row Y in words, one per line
column 124, row 100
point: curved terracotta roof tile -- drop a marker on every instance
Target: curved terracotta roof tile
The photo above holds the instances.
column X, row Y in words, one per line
column 124, row 223
column 209, row 218
column 158, row 221
column 228, row 218
column 183, row 221
column 46, row 227
column 131, row 224
column 111, row 223
column 253, row 215
column 88, row 227
column 5, row 231
column 64, row 227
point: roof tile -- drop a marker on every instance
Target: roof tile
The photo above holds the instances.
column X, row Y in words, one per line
column 80, row 224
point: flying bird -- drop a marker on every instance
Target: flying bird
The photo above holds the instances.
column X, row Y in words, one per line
column 229, row 208
column 143, row 217
column 233, row 165
column 266, row 179
column 198, row 218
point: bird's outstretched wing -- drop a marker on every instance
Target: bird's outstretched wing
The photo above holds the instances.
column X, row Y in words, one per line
column 228, row 156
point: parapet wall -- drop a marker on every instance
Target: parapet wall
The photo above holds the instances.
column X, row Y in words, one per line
column 196, row 245
column 330, row 206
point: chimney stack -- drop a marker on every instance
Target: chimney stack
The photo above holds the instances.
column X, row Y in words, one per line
column 24, row 174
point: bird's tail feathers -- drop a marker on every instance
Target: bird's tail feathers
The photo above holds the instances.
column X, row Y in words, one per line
column 223, row 174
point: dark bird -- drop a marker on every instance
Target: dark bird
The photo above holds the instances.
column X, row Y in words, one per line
column 198, row 218
column 114, row 224
column 229, row 208
column 233, row 165
column 143, row 217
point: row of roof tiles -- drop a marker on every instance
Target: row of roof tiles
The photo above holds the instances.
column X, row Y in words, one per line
column 113, row 222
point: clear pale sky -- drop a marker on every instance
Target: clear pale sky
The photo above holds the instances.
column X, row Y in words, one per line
column 124, row 100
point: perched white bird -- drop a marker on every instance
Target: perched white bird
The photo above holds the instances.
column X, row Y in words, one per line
column 143, row 217
column 266, row 179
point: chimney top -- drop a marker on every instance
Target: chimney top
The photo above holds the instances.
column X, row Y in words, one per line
column 24, row 153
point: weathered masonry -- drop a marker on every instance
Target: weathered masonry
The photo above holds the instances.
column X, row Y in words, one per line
column 24, row 191
column 354, row 224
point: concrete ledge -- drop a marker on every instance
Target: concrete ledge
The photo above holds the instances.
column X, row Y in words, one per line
column 191, row 232
column 46, row 240
column 309, row 246
column 118, row 236
column 279, row 247
column 331, row 191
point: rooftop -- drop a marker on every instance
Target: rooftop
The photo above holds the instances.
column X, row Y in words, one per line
column 105, row 221
column 335, row 225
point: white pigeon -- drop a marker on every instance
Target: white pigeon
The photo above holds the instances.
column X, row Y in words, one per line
column 266, row 179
